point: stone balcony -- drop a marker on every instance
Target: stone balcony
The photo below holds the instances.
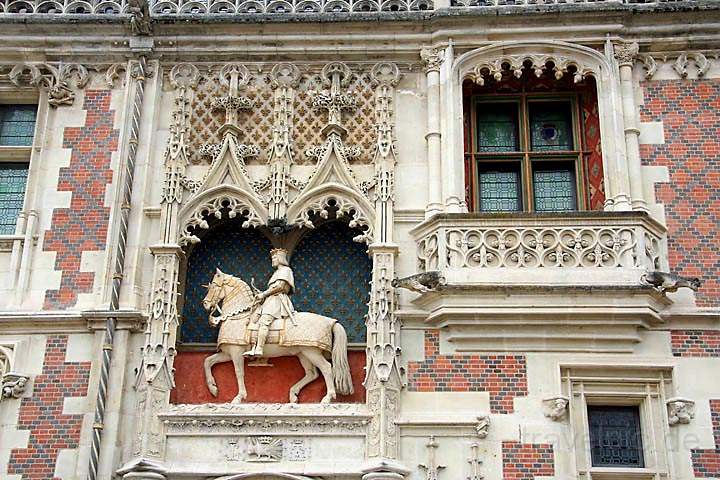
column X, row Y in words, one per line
column 561, row 281
column 219, row 8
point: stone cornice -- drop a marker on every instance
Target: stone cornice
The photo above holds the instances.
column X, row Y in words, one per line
column 68, row 322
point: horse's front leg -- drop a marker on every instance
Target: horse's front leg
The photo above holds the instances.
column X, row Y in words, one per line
column 236, row 352
column 210, row 361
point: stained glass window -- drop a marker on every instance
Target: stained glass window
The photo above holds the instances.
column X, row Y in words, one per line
column 615, row 436
column 499, row 190
column 17, row 124
column 13, row 177
column 554, row 189
column 497, row 127
column 550, row 126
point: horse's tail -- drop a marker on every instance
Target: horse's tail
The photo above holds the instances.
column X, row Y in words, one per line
column 340, row 365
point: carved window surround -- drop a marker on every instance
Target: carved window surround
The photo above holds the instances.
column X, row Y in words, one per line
column 645, row 386
column 566, row 58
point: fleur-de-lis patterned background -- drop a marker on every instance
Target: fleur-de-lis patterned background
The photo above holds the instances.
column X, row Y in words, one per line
column 332, row 275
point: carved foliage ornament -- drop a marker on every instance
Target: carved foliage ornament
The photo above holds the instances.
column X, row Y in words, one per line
column 432, row 58
column 55, row 78
column 651, row 63
column 625, row 53
column 539, row 64
column 223, row 205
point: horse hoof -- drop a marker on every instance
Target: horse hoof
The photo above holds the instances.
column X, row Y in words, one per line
column 213, row 390
column 293, row 397
column 326, row 399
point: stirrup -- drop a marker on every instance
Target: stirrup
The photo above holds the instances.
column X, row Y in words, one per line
column 250, row 353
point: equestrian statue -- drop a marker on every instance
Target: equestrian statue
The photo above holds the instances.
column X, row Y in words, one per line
column 255, row 324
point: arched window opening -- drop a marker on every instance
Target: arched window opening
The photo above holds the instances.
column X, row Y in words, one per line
column 242, row 252
column 332, row 276
column 532, row 141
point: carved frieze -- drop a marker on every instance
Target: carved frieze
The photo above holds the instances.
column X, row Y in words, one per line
column 682, row 64
column 57, row 79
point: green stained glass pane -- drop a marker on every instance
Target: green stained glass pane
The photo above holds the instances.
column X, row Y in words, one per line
column 499, row 190
column 13, row 177
column 17, row 124
column 497, row 127
column 550, row 126
column 554, row 189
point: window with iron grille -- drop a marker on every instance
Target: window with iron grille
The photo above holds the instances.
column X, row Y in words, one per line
column 615, row 436
column 17, row 128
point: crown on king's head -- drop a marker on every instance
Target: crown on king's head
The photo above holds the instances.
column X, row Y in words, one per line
column 275, row 251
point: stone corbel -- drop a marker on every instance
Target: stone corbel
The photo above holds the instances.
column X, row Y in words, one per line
column 13, row 385
column 57, row 79
column 680, row 411
column 556, row 408
column 482, row 428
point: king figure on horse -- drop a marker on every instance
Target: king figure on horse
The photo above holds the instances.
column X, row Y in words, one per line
column 276, row 303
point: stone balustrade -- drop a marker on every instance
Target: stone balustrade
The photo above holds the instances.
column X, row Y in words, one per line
column 220, row 7
column 511, row 246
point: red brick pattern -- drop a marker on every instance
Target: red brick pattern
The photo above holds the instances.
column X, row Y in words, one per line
column 50, row 429
column 695, row 343
column 706, row 463
column 82, row 227
column 525, row 461
column 503, row 376
column 690, row 112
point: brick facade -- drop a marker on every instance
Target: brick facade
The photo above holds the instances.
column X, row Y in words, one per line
column 706, row 462
column 695, row 343
column 690, row 112
column 42, row 414
column 503, row 376
column 525, row 461
column 83, row 226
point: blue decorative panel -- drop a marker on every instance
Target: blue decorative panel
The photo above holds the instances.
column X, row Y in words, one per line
column 332, row 277
column 244, row 253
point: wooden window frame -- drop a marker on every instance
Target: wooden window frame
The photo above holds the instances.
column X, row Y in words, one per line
column 527, row 157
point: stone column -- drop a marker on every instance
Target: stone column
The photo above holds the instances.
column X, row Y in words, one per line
column 625, row 54
column 432, row 58
column 154, row 378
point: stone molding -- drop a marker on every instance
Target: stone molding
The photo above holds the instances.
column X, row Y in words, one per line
column 685, row 64
column 267, row 419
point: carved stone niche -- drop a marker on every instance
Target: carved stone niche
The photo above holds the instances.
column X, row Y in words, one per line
column 259, row 438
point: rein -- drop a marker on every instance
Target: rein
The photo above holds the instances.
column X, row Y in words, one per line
column 238, row 288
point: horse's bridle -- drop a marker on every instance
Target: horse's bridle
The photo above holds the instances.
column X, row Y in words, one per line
column 215, row 300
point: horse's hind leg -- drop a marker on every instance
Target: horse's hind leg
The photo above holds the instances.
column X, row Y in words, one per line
column 210, row 361
column 311, row 374
column 317, row 358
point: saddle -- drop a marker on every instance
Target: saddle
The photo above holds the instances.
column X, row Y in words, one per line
column 311, row 330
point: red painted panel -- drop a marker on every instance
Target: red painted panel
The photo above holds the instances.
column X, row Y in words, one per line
column 264, row 384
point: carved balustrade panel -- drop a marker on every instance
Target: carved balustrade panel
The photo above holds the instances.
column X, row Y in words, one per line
column 520, row 241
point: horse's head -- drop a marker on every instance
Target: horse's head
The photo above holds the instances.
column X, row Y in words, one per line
column 216, row 290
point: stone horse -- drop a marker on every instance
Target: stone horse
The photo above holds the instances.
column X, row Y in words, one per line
column 310, row 338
